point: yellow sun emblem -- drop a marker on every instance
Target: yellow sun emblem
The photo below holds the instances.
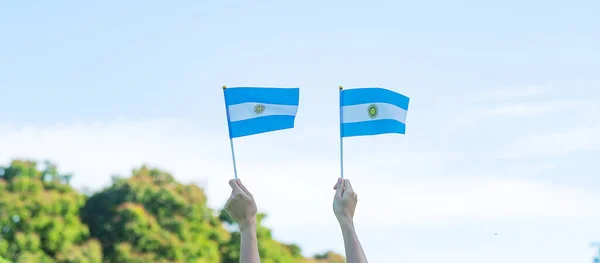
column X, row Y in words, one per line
column 259, row 109
column 373, row 111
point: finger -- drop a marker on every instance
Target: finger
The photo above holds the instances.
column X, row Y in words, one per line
column 234, row 186
column 239, row 183
column 340, row 187
column 348, row 186
column 335, row 187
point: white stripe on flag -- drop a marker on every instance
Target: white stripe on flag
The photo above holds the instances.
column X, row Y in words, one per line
column 385, row 111
column 246, row 111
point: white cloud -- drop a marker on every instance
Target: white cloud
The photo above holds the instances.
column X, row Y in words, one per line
column 95, row 151
column 567, row 112
column 523, row 109
column 508, row 93
column 539, row 108
column 475, row 199
column 574, row 140
column 563, row 126
column 425, row 202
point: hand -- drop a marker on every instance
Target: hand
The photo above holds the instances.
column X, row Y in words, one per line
column 241, row 206
column 344, row 202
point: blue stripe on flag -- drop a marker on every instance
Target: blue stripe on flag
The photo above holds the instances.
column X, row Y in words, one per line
column 282, row 96
column 373, row 128
column 372, row 95
column 260, row 125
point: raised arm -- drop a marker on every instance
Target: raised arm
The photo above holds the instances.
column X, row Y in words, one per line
column 344, row 204
column 242, row 208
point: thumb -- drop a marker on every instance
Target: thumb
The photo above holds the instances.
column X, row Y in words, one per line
column 339, row 187
column 348, row 185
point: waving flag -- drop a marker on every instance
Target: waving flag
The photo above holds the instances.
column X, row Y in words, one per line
column 257, row 110
column 372, row 111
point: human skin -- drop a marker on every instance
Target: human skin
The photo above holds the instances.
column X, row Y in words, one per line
column 344, row 205
column 242, row 208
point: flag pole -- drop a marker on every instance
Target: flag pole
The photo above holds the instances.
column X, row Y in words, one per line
column 230, row 139
column 341, row 136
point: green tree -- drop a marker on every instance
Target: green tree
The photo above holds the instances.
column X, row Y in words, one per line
column 150, row 217
column 39, row 217
column 328, row 257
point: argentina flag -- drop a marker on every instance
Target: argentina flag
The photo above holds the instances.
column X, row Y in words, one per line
column 253, row 110
column 372, row 111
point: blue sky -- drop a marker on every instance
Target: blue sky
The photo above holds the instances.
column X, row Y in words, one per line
column 503, row 129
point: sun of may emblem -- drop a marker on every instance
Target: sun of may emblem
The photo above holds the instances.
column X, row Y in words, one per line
column 259, row 109
column 373, row 111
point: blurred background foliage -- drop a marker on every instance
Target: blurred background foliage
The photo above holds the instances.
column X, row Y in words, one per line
column 146, row 217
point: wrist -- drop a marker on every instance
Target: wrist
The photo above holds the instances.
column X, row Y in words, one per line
column 247, row 224
column 346, row 222
column 347, row 228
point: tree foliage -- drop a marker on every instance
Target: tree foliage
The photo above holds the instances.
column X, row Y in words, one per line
column 152, row 218
column 39, row 217
column 328, row 257
column 147, row 217
column 270, row 250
